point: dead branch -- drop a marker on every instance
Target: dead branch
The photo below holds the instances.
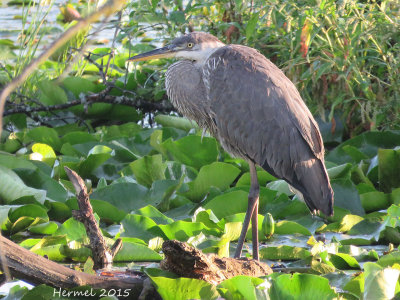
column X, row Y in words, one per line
column 139, row 103
column 186, row 261
column 102, row 255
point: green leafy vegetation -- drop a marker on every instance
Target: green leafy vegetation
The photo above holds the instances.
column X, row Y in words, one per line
column 152, row 176
column 149, row 196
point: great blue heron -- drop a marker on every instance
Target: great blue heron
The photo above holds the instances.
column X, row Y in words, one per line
column 255, row 112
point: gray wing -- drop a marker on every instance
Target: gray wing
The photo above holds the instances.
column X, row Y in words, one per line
column 259, row 115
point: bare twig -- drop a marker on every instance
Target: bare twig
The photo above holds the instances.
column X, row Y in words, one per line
column 117, row 28
column 140, row 103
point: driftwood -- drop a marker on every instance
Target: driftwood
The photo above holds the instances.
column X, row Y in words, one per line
column 186, row 261
column 102, row 255
column 35, row 269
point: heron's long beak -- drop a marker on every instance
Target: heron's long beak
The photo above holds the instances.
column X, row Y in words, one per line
column 164, row 52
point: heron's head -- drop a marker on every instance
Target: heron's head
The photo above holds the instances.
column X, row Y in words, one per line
column 195, row 46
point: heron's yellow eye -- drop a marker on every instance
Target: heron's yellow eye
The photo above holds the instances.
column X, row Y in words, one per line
column 189, row 45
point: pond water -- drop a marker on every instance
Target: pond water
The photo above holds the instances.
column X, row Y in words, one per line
column 11, row 23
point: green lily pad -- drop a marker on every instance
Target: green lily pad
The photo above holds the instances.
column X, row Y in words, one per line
column 356, row 285
column 262, row 176
column 22, row 223
column 290, row 227
column 44, row 228
column 241, row 287
column 106, row 211
column 51, row 93
column 207, row 217
column 74, row 230
column 97, row 156
column 284, row 253
column 237, row 204
column 47, row 153
column 78, row 85
column 78, row 137
column 12, row 187
column 154, row 214
column 389, row 260
column 28, row 210
column 346, row 196
column 182, row 230
column 39, row 180
column 344, row 261
column 181, row 288
column 388, row 169
column 380, row 282
column 131, row 251
column 300, row 286
column 367, row 143
column 217, row 174
column 374, row 201
column 148, row 169
column 45, row 135
column 125, row 196
column 140, row 227
column 193, row 150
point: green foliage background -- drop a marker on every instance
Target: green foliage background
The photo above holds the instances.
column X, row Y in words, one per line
column 152, row 182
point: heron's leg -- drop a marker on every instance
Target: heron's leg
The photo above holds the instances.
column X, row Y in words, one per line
column 252, row 204
column 254, row 230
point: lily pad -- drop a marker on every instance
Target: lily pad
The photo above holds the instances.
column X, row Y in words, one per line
column 300, row 286
column 218, row 174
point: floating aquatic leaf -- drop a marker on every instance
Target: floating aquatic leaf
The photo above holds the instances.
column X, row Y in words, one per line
column 284, row 253
column 44, row 228
column 193, row 150
column 289, row 227
column 154, row 214
column 380, row 282
column 241, row 287
column 139, row 227
column 237, row 203
column 300, row 286
column 171, row 288
column 218, row 174
column 388, row 169
column 45, row 135
column 148, row 169
column 131, row 251
column 12, row 187
column 344, row 261
column 126, row 196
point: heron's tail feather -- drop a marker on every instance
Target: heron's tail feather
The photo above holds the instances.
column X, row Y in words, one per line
column 311, row 179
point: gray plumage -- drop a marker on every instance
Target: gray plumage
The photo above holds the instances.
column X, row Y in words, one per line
column 257, row 115
column 254, row 110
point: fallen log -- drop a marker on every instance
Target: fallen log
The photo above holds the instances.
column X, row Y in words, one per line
column 187, row 261
column 26, row 265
